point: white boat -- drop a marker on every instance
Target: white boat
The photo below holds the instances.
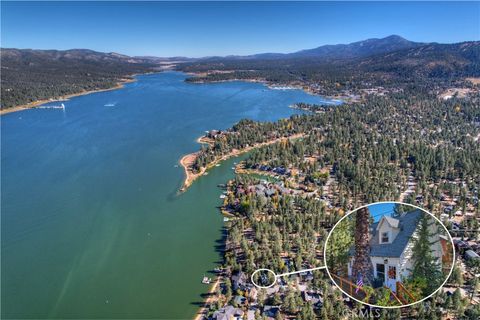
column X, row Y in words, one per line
column 110, row 105
column 61, row 106
column 206, row 280
column 222, row 196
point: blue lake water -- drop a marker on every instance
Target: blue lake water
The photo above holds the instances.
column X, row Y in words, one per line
column 92, row 225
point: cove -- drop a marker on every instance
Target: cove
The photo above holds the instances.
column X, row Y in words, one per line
column 92, row 224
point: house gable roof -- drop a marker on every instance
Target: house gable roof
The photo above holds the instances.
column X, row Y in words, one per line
column 407, row 223
column 391, row 221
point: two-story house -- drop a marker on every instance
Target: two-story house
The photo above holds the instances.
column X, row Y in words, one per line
column 391, row 243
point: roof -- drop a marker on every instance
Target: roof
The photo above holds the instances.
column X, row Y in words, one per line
column 227, row 313
column 239, row 300
column 472, row 254
column 391, row 221
column 407, row 223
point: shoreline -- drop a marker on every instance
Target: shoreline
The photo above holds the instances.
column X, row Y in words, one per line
column 34, row 104
column 201, row 312
column 187, row 160
column 270, row 86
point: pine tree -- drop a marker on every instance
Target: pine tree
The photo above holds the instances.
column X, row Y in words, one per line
column 399, row 209
column 362, row 263
column 457, row 276
column 475, row 287
column 339, row 245
column 425, row 265
column 307, row 312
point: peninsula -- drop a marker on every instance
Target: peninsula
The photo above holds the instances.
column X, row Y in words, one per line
column 189, row 161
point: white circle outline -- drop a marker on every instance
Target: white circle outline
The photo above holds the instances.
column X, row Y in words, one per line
column 262, row 287
column 388, row 307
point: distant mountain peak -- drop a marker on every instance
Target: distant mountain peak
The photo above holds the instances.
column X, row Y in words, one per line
column 360, row 48
column 356, row 49
column 395, row 37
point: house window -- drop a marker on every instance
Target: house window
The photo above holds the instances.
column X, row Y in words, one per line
column 381, row 271
column 392, row 272
column 384, row 237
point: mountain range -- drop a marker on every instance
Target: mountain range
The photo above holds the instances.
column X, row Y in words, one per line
column 29, row 75
column 343, row 51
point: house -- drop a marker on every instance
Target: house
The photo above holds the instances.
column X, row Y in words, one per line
column 391, row 243
column 239, row 300
column 270, row 311
column 461, row 246
column 251, row 314
column 313, row 297
column 228, row 313
column 471, row 255
column 239, row 281
column 252, row 294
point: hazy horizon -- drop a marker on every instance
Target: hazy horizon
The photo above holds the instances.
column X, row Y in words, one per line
column 233, row 55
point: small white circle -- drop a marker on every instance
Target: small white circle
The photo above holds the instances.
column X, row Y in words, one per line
column 267, row 271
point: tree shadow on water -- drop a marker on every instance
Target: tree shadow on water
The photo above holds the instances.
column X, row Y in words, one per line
column 219, row 246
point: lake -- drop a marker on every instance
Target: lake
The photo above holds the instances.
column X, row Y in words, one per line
column 92, row 223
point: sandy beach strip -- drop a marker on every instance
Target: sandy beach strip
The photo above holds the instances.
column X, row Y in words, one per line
column 201, row 312
column 188, row 160
column 37, row 103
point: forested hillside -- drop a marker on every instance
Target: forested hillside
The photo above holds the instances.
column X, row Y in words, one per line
column 344, row 69
column 408, row 131
column 434, row 65
column 30, row 75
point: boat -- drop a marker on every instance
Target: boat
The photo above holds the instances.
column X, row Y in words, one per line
column 61, row 106
column 222, row 196
column 110, row 105
column 206, row 280
column 225, row 219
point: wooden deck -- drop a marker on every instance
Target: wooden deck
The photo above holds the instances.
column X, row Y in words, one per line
column 404, row 296
column 401, row 297
column 350, row 288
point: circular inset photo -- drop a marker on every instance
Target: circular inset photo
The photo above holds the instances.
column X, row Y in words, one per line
column 389, row 254
column 264, row 278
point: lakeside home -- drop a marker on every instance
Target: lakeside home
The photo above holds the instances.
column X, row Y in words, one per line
column 389, row 258
column 391, row 243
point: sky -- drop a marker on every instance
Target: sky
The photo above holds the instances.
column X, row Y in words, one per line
column 380, row 209
column 197, row 29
